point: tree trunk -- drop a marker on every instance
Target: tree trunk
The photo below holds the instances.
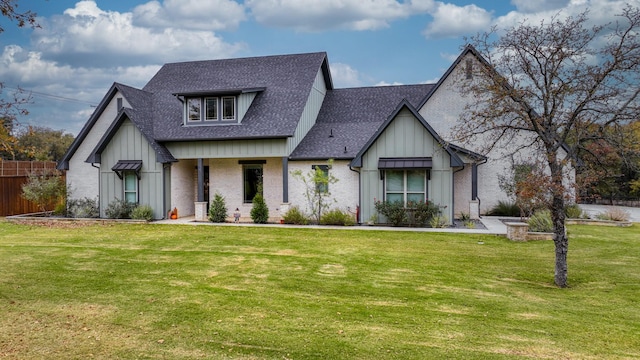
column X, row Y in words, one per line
column 560, row 238
column 562, row 247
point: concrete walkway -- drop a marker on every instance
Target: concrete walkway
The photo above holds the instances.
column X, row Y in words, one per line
column 493, row 226
column 593, row 210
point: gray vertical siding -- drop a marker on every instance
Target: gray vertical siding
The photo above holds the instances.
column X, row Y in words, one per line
column 229, row 149
column 244, row 102
column 129, row 144
column 406, row 137
column 310, row 113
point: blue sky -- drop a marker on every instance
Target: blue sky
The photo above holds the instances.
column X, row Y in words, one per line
column 82, row 47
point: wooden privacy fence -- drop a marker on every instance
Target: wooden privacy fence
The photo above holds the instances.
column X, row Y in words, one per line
column 13, row 174
column 26, row 168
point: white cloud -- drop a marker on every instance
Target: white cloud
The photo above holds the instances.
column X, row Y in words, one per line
column 190, row 14
column 62, row 93
column 344, row 76
column 600, row 12
column 384, row 83
column 87, row 34
column 533, row 6
column 319, row 15
column 450, row 20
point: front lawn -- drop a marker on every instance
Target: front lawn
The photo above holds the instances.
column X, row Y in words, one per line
column 190, row 292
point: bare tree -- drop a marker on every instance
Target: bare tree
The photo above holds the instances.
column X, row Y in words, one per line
column 13, row 106
column 559, row 85
column 9, row 9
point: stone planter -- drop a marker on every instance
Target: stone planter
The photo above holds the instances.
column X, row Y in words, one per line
column 519, row 231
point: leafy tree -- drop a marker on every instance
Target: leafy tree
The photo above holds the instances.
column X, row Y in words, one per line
column 13, row 106
column 44, row 190
column 43, row 143
column 551, row 83
column 317, row 192
column 8, row 143
column 528, row 185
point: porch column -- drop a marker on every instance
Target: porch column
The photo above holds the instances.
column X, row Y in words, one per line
column 201, row 205
column 200, row 180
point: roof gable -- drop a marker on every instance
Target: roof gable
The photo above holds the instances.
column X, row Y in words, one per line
column 126, row 91
column 469, row 49
column 349, row 117
column 455, row 160
column 138, row 119
column 284, row 81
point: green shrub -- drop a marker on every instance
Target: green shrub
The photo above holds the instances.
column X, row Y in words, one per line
column 337, row 217
column 465, row 216
column 540, row 221
column 44, row 190
column 505, row 208
column 395, row 212
column 60, row 209
column 614, row 214
column 259, row 211
column 573, row 211
column 83, row 208
column 142, row 212
column 420, row 213
column 295, row 216
column 119, row 209
column 416, row 214
column 438, row 221
column 218, row 209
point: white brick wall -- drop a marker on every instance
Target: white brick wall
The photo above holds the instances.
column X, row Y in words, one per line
column 443, row 110
column 183, row 190
column 345, row 191
column 225, row 177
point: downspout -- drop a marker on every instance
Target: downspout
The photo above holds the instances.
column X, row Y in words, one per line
column 477, row 197
column 358, row 207
column 99, row 185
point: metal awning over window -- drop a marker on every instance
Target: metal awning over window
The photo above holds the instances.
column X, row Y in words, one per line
column 127, row 165
column 405, row 163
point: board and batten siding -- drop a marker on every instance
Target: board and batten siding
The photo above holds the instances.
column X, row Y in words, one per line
column 244, row 102
column 82, row 177
column 128, row 143
column 310, row 112
column 406, row 137
column 228, row 149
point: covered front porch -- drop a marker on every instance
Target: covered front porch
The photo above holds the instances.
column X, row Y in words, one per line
column 194, row 183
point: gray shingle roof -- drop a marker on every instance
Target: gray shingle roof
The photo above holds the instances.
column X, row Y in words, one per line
column 275, row 112
column 349, row 117
column 140, row 115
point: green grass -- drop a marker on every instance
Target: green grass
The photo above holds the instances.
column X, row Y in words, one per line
column 189, row 292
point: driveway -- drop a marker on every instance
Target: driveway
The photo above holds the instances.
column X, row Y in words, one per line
column 593, row 210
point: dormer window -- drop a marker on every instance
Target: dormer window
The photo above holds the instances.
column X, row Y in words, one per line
column 216, row 107
column 213, row 109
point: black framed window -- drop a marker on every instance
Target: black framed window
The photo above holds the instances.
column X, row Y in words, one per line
column 252, row 180
column 405, row 186
column 200, row 110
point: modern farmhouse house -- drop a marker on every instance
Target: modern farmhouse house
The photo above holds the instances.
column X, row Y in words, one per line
column 224, row 126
